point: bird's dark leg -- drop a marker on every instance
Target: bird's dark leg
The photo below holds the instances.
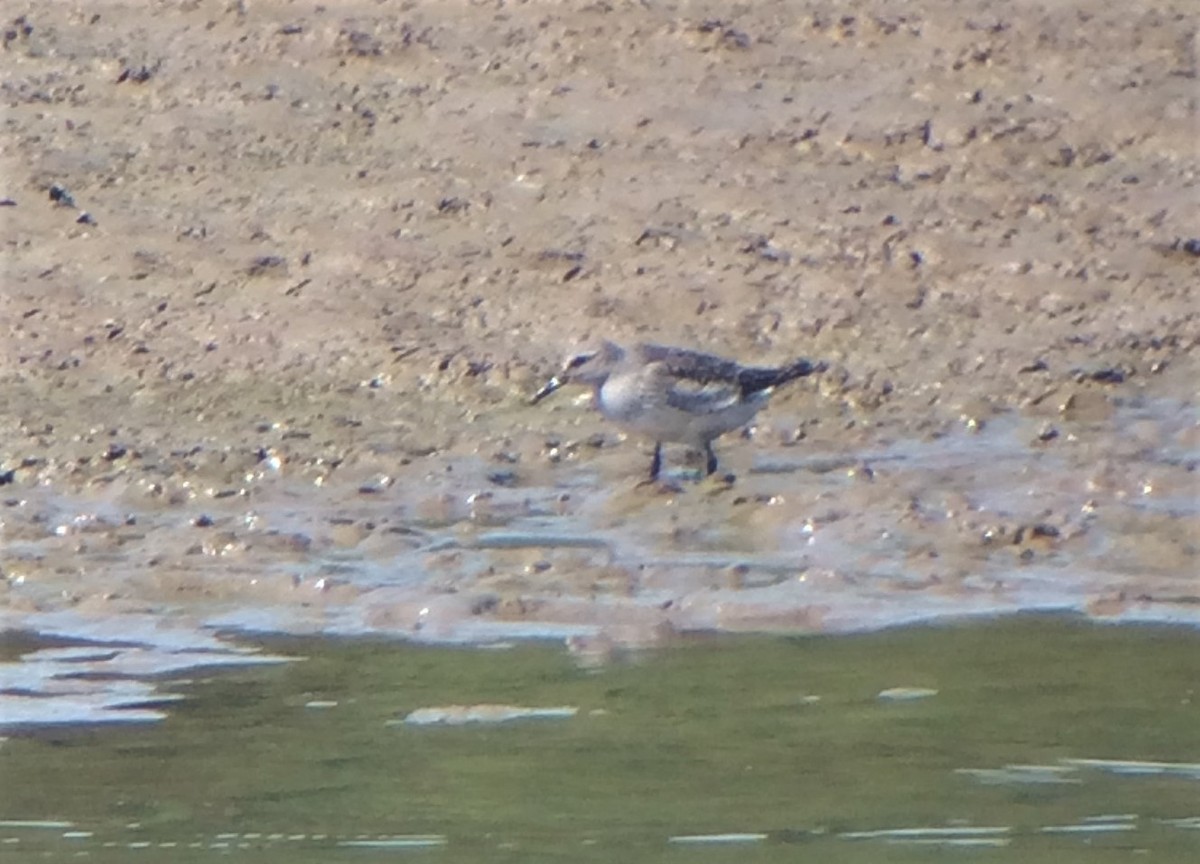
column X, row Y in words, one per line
column 710, row 464
column 656, row 461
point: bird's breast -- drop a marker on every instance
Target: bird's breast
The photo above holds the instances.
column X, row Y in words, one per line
column 637, row 404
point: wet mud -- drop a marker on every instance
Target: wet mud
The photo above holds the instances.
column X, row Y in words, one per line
column 280, row 279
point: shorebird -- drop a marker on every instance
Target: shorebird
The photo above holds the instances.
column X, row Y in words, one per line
column 674, row 394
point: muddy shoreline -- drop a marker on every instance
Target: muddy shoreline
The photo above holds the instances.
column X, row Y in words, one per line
column 278, row 376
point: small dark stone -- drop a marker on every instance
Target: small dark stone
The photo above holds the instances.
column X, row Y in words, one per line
column 1108, row 376
column 263, row 263
column 505, row 478
column 203, row 521
column 114, row 452
column 453, row 204
column 138, row 75
column 59, row 194
column 362, row 44
column 561, row 255
column 735, row 38
column 728, row 35
column 8, row 476
column 484, row 604
column 377, row 485
column 662, row 236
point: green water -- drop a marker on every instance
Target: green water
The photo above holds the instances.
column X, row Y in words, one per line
column 781, row 736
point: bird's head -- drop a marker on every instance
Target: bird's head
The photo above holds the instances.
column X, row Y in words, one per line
column 586, row 367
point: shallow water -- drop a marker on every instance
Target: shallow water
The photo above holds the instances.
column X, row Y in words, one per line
column 1034, row 739
column 996, row 517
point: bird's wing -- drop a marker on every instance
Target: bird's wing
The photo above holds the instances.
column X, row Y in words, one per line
column 697, row 397
column 691, row 365
column 708, row 369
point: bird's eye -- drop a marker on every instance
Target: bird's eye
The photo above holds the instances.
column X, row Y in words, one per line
column 578, row 360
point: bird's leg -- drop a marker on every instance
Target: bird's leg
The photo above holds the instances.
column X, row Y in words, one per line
column 656, row 461
column 710, row 464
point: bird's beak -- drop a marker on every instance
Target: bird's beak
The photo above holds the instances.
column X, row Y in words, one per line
column 550, row 386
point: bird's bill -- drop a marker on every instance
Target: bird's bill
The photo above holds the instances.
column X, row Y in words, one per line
column 550, row 386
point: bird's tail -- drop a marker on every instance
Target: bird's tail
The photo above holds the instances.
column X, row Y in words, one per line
column 754, row 380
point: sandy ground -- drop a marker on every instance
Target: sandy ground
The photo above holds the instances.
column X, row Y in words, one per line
column 280, row 277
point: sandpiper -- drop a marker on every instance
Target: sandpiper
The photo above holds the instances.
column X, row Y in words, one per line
column 675, row 394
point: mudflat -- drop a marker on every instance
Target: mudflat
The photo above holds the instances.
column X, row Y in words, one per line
column 279, row 279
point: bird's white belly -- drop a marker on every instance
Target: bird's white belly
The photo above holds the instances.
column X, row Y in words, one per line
column 623, row 402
